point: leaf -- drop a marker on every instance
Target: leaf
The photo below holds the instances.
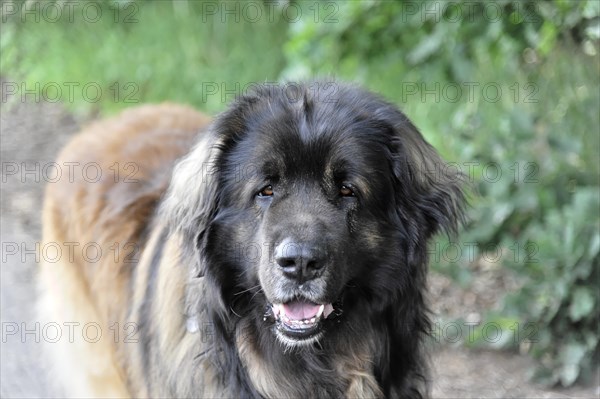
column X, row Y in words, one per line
column 572, row 353
column 582, row 303
column 571, row 356
column 426, row 47
column 568, row 374
column 591, row 9
column 594, row 246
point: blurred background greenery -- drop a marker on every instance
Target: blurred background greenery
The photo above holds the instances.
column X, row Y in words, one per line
column 508, row 90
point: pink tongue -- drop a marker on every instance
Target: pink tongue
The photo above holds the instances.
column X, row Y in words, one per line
column 298, row 310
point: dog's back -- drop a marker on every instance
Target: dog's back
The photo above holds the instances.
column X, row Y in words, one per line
column 96, row 217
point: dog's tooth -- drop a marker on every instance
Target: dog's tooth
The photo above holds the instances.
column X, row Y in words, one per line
column 328, row 310
column 281, row 309
column 320, row 312
column 313, row 320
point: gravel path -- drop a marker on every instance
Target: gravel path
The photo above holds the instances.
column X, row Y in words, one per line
column 30, row 137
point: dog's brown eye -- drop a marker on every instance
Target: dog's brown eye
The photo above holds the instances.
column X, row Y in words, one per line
column 346, row 191
column 266, row 191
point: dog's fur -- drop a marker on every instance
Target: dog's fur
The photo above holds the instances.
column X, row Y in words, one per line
column 183, row 289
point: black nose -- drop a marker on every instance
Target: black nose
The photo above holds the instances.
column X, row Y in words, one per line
column 299, row 262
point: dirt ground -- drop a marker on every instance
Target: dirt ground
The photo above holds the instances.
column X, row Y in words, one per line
column 32, row 134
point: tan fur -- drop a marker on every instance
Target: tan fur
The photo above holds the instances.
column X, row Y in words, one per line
column 359, row 369
column 106, row 212
column 356, row 368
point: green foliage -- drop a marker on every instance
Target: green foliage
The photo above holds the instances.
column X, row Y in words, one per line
column 155, row 51
column 510, row 87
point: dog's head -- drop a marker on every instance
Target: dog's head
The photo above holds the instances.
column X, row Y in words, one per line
column 309, row 207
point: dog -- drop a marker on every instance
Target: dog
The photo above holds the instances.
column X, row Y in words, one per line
column 279, row 251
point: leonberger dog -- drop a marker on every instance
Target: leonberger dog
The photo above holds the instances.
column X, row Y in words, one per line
column 279, row 251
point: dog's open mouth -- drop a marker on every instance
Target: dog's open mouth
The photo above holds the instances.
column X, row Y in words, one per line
column 300, row 319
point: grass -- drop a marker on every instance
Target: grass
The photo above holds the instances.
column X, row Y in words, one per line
column 156, row 52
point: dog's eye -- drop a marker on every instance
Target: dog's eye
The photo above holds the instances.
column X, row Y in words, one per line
column 267, row 191
column 346, row 191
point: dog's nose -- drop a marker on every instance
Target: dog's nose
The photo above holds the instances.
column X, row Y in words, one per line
column 301, row 262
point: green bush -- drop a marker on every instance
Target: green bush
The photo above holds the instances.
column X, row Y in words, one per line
column 541, row 131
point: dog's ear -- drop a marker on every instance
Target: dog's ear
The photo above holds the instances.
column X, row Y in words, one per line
column 426, row 186
column 192, row 200
column 429, row 198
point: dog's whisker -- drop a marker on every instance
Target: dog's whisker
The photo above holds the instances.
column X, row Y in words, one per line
column 247, row 290
column 256, row 293
column 234, row 312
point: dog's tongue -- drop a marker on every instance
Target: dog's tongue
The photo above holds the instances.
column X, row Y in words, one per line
column 300, row 310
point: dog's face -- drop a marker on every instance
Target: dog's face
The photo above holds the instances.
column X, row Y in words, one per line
column 320, row 209
column 308, row 204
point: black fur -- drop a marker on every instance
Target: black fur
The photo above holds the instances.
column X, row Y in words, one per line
column 306, row 141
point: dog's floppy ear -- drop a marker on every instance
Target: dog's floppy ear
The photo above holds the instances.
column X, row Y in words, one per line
column 424, row 182
column 192, row 200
